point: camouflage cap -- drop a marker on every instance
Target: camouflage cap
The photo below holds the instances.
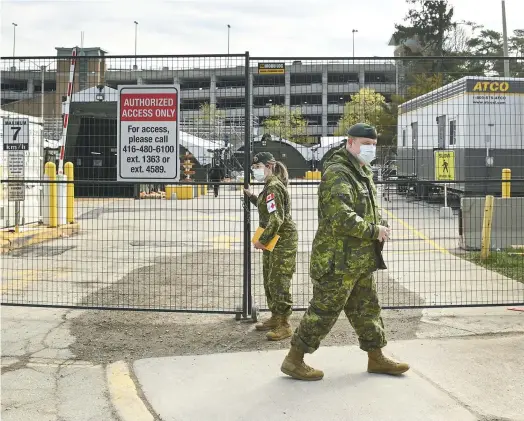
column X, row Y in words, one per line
column 264, row 158
column 362, row 130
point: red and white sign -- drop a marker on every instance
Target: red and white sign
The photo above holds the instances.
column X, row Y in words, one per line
column 148, row 133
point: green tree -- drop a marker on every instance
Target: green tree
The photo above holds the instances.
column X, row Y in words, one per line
column 430, row 23
column 286, row 123
column 366, row 106
column 210, row 114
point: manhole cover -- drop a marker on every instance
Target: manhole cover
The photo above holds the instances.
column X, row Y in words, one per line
column 41, row 251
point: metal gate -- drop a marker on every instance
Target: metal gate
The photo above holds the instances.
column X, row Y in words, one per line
column 187, row 247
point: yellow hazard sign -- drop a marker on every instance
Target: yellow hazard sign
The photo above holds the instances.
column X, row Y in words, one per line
column 444, row 165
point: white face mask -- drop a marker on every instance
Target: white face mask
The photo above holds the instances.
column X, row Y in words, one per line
column 259, row 175
column 367, row 153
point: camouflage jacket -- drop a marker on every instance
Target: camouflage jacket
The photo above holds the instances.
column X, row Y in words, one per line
column 274, row 210
column 348, row 215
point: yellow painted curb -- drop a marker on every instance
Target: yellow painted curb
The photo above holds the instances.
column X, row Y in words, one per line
column 13, row 241
column 124, row 396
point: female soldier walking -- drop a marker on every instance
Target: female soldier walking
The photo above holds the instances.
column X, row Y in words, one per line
column 274, row 208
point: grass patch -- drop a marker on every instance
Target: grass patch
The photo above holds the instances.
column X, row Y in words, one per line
column 510, row 265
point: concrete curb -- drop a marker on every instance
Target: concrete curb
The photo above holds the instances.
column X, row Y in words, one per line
column 124, row 396
column 14, row 241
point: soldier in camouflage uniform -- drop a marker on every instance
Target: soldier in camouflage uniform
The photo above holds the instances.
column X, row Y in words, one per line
column 347, row 249
column 274, row 208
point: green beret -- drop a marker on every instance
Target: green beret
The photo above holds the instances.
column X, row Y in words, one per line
column 362, row 130
column 263, row 157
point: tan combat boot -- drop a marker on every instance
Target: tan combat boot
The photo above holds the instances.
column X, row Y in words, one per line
column 295, row 367
column 282, row 330
column 267, row 324
column 380, row 364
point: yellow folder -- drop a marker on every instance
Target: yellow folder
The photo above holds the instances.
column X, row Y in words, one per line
column 271, row 245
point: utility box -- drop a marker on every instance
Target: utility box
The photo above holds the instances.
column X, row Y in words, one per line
column 507, row 227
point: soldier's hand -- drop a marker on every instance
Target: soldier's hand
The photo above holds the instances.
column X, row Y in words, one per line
column 383, row 233
column 259, row 246
column 247, row 192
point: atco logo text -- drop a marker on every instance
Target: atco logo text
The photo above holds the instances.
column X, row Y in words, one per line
column 491, row 87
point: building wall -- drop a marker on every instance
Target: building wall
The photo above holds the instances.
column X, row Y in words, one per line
column 319, row 91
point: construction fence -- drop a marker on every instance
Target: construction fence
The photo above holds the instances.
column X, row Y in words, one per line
column 449, row 175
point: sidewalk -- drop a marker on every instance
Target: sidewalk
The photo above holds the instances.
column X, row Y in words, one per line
column 442, row 384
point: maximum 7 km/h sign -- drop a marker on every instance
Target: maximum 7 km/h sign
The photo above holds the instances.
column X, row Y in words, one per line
column 148, row 133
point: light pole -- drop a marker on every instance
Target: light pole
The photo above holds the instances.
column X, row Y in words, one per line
column 228, row 29
column 136, row 31
column 505, row 39
column 14, row 37
column 354, row 30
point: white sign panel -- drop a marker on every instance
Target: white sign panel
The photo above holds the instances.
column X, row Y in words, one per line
column 15, row 139
column 15, row 134
column 148, row 133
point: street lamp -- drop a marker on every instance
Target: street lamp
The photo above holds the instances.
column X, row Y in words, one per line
column 136, row 30
column 505, row 39
column 14, row 37
column 354, row 30
column 228, row 29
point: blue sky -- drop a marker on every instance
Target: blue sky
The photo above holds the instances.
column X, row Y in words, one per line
column 264, row 27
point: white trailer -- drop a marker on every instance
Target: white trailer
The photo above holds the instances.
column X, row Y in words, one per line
column 480, row 118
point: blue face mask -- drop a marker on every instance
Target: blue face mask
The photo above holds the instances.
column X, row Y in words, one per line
column 367, row 153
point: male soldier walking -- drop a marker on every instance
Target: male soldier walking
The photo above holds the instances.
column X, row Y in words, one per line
column 347, row 249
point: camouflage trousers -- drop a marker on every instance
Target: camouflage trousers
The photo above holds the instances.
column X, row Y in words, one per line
column 357, row 296
column 278, row 267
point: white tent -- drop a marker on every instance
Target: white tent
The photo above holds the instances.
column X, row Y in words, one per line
column 197, row 146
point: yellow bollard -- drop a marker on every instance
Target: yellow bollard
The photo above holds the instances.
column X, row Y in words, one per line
column 50, row 171
column 169, row 192
column 486, row 228
column 184, row 192
column 69, row 171
column 506, row 186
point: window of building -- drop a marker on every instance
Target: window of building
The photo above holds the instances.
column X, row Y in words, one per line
column 269, row 80
column 231, row 83
column 195, row 84
column 404, row 138
column 266, row 101
column 340, row 99
column 452, row 132
column 305, row 78
column 224, row 103
column 379, row 77
column 342, row 77
column 333, row 119
column 306, row 99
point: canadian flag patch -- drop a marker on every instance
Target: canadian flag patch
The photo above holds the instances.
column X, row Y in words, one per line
column 271, row 206
column 269, row 197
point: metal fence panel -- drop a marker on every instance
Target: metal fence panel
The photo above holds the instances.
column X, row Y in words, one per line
column 135, row 249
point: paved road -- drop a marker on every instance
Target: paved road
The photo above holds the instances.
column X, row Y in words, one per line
column 188, row 255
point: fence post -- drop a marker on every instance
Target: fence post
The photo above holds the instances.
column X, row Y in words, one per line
column 486, row 228
column 70, row 174
column 247, row 299
column 506, row 185
column 50, row 172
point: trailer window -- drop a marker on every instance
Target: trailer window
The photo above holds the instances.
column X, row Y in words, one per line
column 404, row 138
column 452, row 132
